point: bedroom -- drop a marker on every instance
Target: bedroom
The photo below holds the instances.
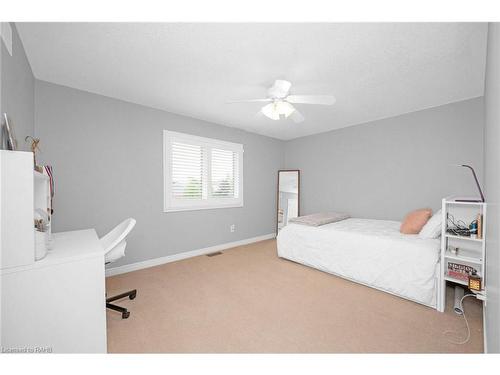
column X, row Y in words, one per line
column 307, row 196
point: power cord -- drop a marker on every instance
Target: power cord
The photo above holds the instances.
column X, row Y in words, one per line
column 457, row 223
column 457, row 227
column 466, row 340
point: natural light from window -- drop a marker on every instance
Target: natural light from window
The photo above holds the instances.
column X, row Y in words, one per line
column 201, row 173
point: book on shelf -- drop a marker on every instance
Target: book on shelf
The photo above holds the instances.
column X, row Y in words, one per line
column 460, row 271
column 458, row 275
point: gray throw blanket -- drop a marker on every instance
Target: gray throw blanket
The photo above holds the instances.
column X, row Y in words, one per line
column 322, row 218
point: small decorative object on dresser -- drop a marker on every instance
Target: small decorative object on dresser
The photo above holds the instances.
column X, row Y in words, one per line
column 34, row 147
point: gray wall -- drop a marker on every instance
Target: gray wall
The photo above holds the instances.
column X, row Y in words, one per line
column 107, row 159
column 17, row 86
column 492, row 191
column 385, row 168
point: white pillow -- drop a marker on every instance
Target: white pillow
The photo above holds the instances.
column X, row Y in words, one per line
column 432, row 229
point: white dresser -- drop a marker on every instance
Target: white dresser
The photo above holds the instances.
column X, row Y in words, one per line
column 58, row 303
column 55, row 304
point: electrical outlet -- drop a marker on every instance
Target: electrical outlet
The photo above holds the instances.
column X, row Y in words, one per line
column 232, row 228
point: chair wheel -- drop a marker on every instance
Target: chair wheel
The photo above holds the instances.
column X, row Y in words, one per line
column 125, row 315
column 133, row 295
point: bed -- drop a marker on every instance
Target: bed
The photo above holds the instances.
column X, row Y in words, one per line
column 370, row 252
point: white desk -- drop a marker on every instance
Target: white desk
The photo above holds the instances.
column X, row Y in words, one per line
column 57, row 302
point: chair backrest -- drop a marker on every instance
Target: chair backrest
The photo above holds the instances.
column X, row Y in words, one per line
column 115, row 253
column 117, row 235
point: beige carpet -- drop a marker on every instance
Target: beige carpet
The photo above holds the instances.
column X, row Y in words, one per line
column 249, row 300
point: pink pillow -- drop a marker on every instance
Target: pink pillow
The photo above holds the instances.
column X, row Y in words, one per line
column 415, row 221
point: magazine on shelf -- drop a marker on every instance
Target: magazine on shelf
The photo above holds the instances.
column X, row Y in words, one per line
column 460, row 271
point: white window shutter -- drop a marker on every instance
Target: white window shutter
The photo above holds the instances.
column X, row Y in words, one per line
column 201, row 173
column 187, row 166
column 224, row 165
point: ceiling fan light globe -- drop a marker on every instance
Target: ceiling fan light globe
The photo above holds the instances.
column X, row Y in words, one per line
column 270, row 111
column 284, row 108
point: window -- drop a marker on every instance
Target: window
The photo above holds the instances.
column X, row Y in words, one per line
column 201, row 173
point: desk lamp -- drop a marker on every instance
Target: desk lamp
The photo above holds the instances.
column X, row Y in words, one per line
column 477, row 184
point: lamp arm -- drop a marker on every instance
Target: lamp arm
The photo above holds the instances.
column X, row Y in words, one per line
column 475, row 178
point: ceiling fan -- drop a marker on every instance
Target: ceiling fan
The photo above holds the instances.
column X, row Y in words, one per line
column 280, row 102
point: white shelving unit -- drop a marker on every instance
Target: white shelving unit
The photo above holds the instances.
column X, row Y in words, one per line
column 56, row 301
column 41, row 192
column 17, row 233
column 471, row 250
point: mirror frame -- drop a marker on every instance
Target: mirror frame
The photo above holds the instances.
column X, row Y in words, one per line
column 278, row 194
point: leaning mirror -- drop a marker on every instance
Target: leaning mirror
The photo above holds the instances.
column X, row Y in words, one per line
column 288, row 205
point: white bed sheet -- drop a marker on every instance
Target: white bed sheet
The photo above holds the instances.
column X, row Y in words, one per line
column 371, row 252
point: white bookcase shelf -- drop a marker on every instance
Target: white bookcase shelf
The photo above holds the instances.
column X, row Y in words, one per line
column 451, row 202
column 23, row 191
column 457, row 281
column 471, row 250
column 464, row 255
column 42, row 192
column 463, row 238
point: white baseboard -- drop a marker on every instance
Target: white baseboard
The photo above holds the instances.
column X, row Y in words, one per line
column 188, row 254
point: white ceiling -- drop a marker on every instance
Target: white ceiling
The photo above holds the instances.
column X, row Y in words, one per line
column 375, row 70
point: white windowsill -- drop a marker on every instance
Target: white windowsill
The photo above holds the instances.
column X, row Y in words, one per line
column 196, row 208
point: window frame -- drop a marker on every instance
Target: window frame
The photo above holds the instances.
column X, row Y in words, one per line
column 174, row 205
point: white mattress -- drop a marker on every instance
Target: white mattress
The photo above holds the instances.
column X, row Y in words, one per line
column 371, row 252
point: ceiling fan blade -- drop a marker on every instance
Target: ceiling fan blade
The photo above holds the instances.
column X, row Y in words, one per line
column 311, row 99
column 296, row 117
column 248, row 101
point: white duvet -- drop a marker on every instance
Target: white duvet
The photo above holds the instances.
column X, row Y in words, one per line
column 371, row 252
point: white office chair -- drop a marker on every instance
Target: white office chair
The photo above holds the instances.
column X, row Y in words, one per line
column 114, row 245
